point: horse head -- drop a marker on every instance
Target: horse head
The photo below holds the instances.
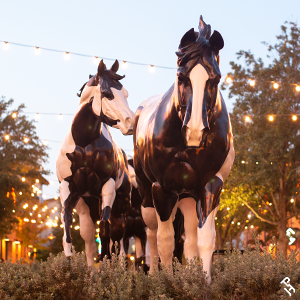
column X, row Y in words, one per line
column 109, row 98
column 198, row 75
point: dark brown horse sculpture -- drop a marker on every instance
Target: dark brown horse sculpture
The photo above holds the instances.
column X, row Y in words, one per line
column 183, row 151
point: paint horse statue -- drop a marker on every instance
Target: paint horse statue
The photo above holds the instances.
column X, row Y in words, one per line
column 183, row 151
column 91, row 167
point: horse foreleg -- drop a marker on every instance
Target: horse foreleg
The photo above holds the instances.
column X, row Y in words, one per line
column 188, row 209
column 64, row 194
column 87, row 230
column 108, row 197
column 150, row 220
column 206, row 242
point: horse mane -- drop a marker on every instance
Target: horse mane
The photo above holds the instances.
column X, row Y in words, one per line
column 188, row 55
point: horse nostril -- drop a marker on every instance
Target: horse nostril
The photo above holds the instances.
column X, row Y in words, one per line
column 128, row 122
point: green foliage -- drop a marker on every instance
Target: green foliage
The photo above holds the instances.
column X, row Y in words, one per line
column 267, row 157
column 253, row 275
column 17, row 159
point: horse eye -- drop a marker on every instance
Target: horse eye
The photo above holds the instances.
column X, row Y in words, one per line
column 181, row 77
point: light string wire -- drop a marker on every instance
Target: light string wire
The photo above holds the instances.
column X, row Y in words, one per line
column 86, row 55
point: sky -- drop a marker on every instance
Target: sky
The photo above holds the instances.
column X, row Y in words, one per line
column 146, row 32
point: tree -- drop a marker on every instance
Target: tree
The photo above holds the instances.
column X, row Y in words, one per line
column 22, row 156
column 267, row 161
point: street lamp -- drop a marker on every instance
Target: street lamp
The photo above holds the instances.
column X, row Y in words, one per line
column 51, row 237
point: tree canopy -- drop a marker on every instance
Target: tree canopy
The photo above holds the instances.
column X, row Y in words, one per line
column 22, row 157
column 266, row 129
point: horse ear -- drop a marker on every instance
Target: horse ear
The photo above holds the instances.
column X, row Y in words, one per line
column 101, row 68
column 216, row 41
column 204, row 29
column 188, row 38
column 115, row 66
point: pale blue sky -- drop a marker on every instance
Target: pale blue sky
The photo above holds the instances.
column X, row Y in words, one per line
column 140, row 31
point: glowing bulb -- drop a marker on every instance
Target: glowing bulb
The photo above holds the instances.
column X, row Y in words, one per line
column 39, row 215
column 132, row 258
column 37, row 116
column 67, row 55
column 60, row 116
column 249, row 216
column 61, row 226
column 270, row 204
column 238, row 223
column 251, row 226
column 97, row 230
column 292, row 200
column 23, row 179
column 45, row 143
column 151, row 68
column 6, row 137
column 271, row 118
column 53, row 211
column 275, row 85
column 228, row 208
column 25, row 206
column 298, row 88
column 5, row 46
column 51, row 181
column 232, row 222
column 37, row 181
column 228, row 79
column 247, row 119
column 55, row 197
column 294, row 118
column 32, row 194
column 124, row 64
column 14, row 115
column 26, row 140
column 96, row 60
column 37, row 50
column 252, row 82
column 243, row 161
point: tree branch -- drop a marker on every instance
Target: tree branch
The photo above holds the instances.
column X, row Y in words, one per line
column 258, row 216
column 275, row 203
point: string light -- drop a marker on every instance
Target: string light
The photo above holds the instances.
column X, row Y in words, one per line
column 26, row 140
column 6, row 137
column 67, row 55
column 294, row 118
column 37, row 116
column 252, row 82
column 275, row 85
column 228, row 80
column 271, row 118
column 292, row 200
column 37, row 181
column 23, row 179
column 37, row 50
column 247, row 119
column 151, row 68
column 298, row 88
column 96, row 60
column 45, row 143
column 14, row 115
column 124, row 64
column 60, row 117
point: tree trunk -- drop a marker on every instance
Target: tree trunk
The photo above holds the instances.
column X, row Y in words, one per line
column 283, row 240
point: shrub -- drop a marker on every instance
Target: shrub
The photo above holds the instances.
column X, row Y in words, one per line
column 253, row 275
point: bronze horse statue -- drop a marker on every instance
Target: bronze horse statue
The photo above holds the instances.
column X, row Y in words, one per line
column 183, row 151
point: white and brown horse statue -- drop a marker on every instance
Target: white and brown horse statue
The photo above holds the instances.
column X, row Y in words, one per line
column 183, row 151
column 91, row 167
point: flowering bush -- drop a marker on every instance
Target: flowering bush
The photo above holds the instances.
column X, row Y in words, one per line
column 251, row 275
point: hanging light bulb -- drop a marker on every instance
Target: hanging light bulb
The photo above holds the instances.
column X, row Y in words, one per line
column 6, row 137
column 298, row 88
column 247, row 119
column 228, row 79
column 67, row 55
column 37, row 116
column 124, row 64
column 45, row 143
column 5, row 46
column 23, row 179
column 275, row 85
column 14, row 115
column 37, row 50
column 271, row 118
column 294, row 118
column 60, row 116
column 96, row 60
column 26, row 140
column 252, row 82
column 151, row 68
